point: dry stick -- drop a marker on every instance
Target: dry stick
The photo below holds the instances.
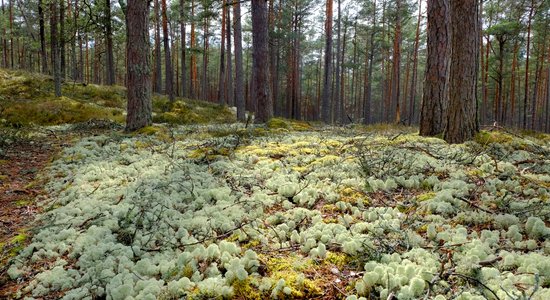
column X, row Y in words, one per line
column 475, row 281
column 475, row 205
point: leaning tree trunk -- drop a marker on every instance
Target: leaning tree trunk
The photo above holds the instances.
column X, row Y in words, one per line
column 260, row 61
column 435, row 99
column 139, row 71
column 462, row 122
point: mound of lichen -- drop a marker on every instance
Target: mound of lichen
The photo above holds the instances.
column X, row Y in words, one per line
column 212, row 211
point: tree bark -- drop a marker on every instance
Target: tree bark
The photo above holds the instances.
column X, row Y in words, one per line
column 43, row 55
column 336, row 94
column 157, row 73
column 193, row 58
column 528, row 50
column 462, row 123
column 230, row 91
column 436, row 96
column 169, row 73
column 260, row 59
column 327, row 78
column 139, row 70
column 239, row 75
column 513, row 85
column 61, row 45
column 396, row 66
column 368, row 79
column 412, row 93
column 204, row 79
column 12, row 51
column 221, row 81
column 111, row 79
column 183, row 50
column 55, row 48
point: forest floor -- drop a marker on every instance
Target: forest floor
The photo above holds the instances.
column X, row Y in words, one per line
column 284, row 210
column 20, row 190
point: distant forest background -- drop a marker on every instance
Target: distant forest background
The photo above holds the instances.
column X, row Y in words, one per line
column 378, row 50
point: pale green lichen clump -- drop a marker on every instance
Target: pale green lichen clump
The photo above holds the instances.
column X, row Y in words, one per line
column 223, row 212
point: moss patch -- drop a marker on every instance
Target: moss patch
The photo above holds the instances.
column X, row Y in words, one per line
column 185, row 111
column 291, row 269
column 491, row 137
column 280, row 123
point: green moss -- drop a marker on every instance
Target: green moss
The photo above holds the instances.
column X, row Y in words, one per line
column 152, row 130
column 425, row 196
column 19, row 239
column 279, row 123
column 339, row 260
column 22, row 202
column 247, row 289
column 55, row 111
column 490, row 137
column 185, row 111
column 12, row 247
column 106, row 96
column 291, row 269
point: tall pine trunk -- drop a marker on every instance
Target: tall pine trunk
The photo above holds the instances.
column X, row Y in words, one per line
column 336, row 94
column 368, row 74
column 138, row 73
column 169, row 73
column 55, row 48
column 183, row 51
column 221, row 81
column 528, row 49
column 260, row 59
column 111, row 79
column 230, row 91
column 436, row 96
column 462, row 123
column 326, row 101
column 157, row 73
column 43, row 55
column 396, row 66
column 412, row 93
column 239, row 73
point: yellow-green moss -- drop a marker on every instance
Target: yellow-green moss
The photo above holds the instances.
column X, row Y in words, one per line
column 291, row 269
column 279, row 123
column 55, row 111
column 353, row 196
column 425, row 196
column 490, row 137
column 340, row 260
column 185, row 111
column 246, row 289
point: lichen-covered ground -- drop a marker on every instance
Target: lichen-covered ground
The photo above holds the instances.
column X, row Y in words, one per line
column 292, row 211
